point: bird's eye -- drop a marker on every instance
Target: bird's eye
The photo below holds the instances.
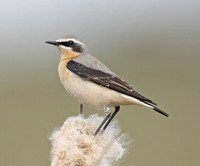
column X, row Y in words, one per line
column 70, row 43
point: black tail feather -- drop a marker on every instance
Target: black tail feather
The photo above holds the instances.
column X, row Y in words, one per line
column 160, row 111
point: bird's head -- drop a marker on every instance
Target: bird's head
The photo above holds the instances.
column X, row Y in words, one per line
column 69, row 47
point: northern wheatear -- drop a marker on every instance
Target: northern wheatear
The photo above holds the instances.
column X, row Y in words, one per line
column 92, row 83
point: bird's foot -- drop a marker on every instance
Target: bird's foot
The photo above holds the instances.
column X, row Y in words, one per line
column 107, row 110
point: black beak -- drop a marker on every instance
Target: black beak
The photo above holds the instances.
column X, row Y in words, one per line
column 52, row 42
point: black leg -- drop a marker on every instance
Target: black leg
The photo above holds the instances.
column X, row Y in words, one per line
column 109, row 120
column 102, row 123
column 81, row 109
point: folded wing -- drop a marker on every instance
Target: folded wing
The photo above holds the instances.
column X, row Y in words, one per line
column 106, row 79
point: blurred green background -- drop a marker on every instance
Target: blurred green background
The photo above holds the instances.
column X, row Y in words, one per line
column 153, row 45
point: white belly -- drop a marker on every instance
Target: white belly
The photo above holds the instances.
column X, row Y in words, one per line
column 89, row 93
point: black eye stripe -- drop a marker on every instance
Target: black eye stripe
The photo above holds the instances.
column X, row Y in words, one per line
column 75, row 46
column 70, row 42
column 67, row 44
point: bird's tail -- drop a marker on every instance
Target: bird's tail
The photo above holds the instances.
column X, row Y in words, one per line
column 145, row 103
column 151, row 105
column 160, row 111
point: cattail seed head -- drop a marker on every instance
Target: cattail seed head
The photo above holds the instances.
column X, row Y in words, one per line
column 74, row 144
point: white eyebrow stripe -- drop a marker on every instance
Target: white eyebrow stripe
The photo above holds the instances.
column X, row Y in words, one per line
column 65, row 40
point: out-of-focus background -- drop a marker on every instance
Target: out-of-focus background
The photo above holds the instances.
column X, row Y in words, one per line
column 153, row 45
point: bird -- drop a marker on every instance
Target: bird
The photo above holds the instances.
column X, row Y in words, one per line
column 93, row 84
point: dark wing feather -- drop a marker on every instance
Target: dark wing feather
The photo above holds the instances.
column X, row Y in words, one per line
column 106, row 80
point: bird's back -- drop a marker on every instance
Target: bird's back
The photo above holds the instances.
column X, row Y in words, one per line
column 92, row 62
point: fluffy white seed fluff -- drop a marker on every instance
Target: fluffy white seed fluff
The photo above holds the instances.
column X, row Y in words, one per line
column 74, row 144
